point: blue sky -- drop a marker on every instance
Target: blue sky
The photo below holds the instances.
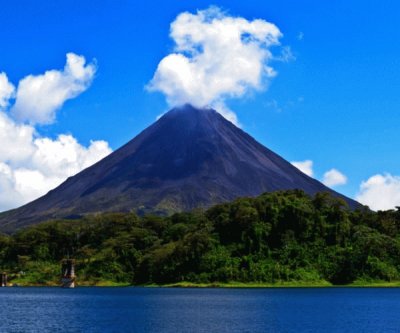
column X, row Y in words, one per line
column 335, row 103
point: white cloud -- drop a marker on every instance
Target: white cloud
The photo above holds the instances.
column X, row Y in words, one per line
column 9, row 197
column 305, row 167
column 64, row 156
column 38, row 97
column 216, row 57
column 334, row 177
column 16, row 140
column 6, row 91
column 30, row 164
column 30, row 184
column 20, row 185
column 380, row 192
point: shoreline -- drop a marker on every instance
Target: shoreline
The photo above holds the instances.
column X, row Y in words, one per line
column 224, row 285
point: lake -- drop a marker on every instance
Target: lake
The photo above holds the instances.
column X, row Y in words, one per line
column 199, row 310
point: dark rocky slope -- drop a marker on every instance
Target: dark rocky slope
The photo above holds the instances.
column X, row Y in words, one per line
column 189, row 158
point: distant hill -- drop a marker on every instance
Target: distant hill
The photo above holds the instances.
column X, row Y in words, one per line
column 189, row 158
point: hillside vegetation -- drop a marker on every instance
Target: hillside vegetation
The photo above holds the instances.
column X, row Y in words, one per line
column 277, row 238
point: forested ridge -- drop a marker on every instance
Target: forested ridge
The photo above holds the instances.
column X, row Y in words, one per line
column 277, row 237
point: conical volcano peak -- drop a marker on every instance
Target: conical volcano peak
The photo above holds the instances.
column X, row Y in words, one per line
column 190, row 112
column 190, row 119
column 190, row 158
column 189, row 108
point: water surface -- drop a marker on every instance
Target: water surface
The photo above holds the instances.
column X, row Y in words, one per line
column 199, row 310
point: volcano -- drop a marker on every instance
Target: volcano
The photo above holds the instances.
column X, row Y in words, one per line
column 189, row 158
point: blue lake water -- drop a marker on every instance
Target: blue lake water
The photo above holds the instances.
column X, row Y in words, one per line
column 199, row 310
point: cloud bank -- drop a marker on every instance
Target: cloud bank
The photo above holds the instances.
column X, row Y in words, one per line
column 380, row 192
column 30, row 164
column 216, row 57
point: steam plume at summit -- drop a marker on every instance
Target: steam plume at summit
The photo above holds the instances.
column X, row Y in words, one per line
column 216, row 57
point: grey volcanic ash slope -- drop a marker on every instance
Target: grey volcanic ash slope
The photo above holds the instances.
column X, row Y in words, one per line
column 189, row 158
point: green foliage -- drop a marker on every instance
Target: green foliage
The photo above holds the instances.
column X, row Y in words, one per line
column 280, row 237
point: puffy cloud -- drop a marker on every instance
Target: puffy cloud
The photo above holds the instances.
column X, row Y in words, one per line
column 216, row 57
column 38, row 97
column 16, row 140
column 334, row 177
column 19, row 185
column 9, row 198
column 30, row 164
column 305, row 167
column 64, row 156
column 6, row 90
column 380, row 192
column 29, row 184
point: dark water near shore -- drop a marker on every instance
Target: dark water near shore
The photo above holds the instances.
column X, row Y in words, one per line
column 199, row 310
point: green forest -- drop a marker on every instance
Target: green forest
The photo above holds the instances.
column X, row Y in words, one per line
column 280, row 238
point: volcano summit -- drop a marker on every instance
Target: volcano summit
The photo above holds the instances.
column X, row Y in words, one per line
column 189, row 158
